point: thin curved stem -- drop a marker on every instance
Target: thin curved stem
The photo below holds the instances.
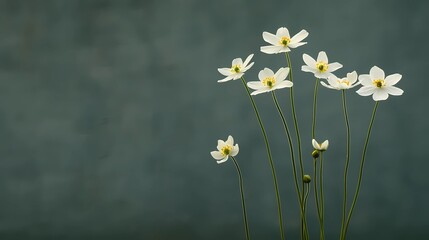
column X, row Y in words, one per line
column 322, row 200
column 346, row 166
column 270, row 160
column 360, row 170
column 243, row 203
column 295, row 120
column 298, row 136
column 313, row 125
column 307, row 186
column 316, row 196
column 286, row 128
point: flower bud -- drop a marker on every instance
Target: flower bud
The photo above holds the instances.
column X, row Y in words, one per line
column 315, row 154
column 307, row 179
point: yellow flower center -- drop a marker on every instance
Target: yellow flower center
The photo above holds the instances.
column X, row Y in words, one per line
column 269, row 82
column 322, row 66
column 379, row 83
column 284, row 41
column 235, row 68
column 226, row 150
column 344, row 80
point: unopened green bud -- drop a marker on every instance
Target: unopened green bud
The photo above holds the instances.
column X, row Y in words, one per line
column 307, row 179
column 315, row 153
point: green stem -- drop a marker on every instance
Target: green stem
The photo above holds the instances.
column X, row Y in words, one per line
column 295, row 120
column 270, row 159
column 313, row 126
column 360, row 170
column 243, row 203
column 322, row 200
column 286, row 128
column 346, row 167
column 298, row 136
column 307, row 186
column 316, row 196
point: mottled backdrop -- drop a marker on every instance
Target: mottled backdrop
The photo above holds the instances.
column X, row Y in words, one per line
column 109, row 109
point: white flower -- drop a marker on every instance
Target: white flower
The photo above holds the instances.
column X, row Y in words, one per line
column 321, row 147
column 321, row 68
column 282, row 42
column 225, row 149
column 344, row 83
column 237, row 69
column 376, row 84
column 270, row 81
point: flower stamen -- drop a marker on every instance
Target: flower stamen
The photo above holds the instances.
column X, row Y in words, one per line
column 284, row 41
column 344, row 81
column 226, row 150
column 379, row 83
column 235, row 69
column 322, row 66
column 269, row 82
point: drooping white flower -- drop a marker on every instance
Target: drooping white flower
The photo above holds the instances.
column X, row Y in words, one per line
column 378, row 86
column 321, row 147
column 237, row 69
column 349, row 81
column 270, row 81
column 225, row 149
column 320, row 67
column 282, row 42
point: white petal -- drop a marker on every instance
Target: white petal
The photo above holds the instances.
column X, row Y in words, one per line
column 271, row 49
column 315, row 144
column 392, row 79
column 223, row 160
column 224, row 71
column 326, row 85
column 380, row 94
column 271, row 38
column 334, row 66
column 220, row 144
column 343, row 86
column 255, row 85
column 333, row 80
column 309, row 60
column 284, row 49
column 283, row 84
column 236, row 76
column 299, row 37
column 230, row 140
column 226, row 79
column 282, row 32
column 247, row 60
column 217, row 155
column 366, row 90
column 266, row 72
column 376, row 73
column 354, row 85
column 324, row 145
column 262, row 90
column 237, row 61
column 324, row 75
column 365, row 79
column 394, row 91
column 235, row 150
column 295, row 45
column 247, row 67
column 322, row 57
column 352, row 77
column 306, row 68
column 281, row 74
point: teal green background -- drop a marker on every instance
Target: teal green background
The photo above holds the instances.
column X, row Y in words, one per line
column 109, row 109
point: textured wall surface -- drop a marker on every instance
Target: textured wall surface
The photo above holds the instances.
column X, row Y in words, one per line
column 109, row 109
